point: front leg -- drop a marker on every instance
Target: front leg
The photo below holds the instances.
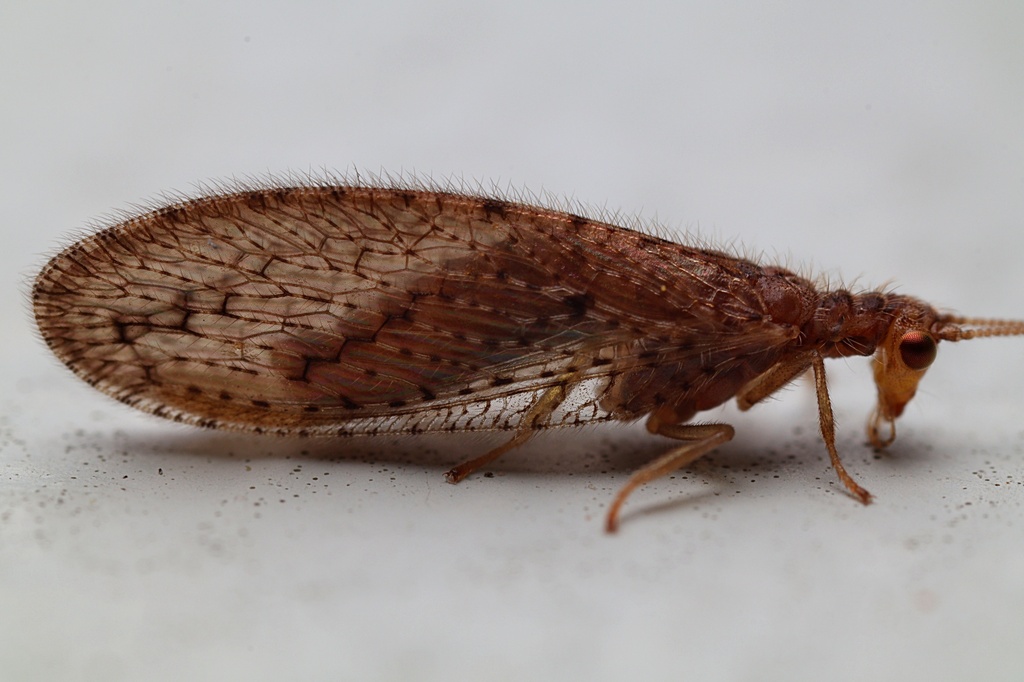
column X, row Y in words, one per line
column 771, row 381
column 783, row 373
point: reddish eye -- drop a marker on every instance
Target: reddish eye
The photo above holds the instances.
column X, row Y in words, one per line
column 917, row 350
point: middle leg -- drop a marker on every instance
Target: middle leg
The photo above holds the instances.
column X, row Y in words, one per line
column 701, row 439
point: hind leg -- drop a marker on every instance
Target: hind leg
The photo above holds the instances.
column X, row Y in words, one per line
column 539, row 413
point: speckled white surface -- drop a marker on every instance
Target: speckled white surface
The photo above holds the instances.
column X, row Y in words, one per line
column 874, row 140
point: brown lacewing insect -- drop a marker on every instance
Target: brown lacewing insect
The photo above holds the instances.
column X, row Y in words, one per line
column 341, row 310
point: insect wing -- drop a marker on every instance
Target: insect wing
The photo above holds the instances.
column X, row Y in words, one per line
column 336, row 310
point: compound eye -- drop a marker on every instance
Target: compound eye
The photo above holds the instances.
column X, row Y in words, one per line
column 917, row 350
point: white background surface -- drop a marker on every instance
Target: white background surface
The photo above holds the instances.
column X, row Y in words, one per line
column 880, row 140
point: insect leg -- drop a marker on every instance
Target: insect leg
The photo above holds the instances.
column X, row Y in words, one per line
column 771, row 381
column 537, row 415
column 703, row 437
column 828, row 430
